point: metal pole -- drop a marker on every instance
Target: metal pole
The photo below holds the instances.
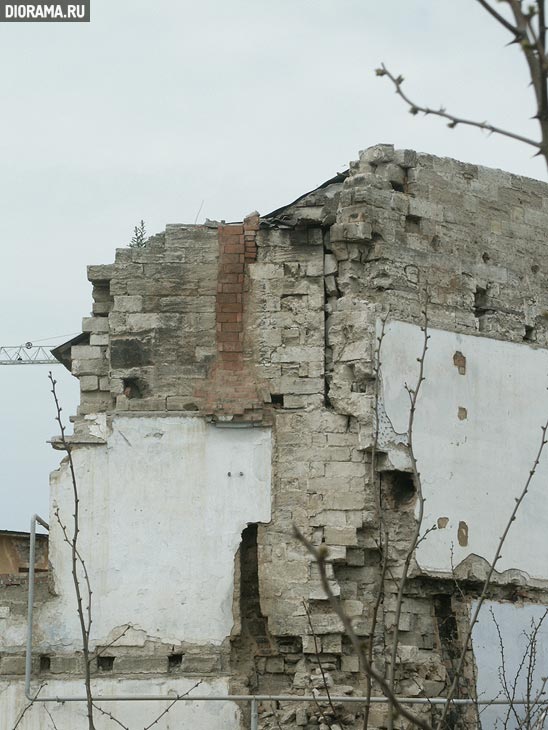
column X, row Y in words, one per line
column 32, row 560
column 254, row 714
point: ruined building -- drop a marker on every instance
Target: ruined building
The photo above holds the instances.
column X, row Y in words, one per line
column 232, row 388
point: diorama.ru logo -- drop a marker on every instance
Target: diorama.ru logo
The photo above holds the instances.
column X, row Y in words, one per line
column 45, row 11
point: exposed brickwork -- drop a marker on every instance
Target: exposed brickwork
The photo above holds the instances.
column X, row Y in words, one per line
column 230, row 391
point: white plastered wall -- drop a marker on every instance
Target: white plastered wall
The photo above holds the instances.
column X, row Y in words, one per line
column 162, row 507
column 473, row 467
column 161, row 523
column 138, row 714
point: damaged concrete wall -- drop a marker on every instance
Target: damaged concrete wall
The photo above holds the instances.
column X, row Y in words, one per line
column 269, row 327
column 477, row 433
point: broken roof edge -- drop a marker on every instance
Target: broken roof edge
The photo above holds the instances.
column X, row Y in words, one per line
column 339, row 178
column 62, row 353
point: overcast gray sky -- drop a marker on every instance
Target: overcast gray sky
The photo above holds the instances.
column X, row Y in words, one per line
column 156, row 106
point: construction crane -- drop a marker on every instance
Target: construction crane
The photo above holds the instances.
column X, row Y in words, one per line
column 27, row 354
column 34, row 354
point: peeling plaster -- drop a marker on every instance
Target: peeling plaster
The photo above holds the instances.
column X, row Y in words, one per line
column 473, row 469
column 180, row 587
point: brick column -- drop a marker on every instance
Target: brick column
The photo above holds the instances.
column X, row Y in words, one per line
column 230, row 390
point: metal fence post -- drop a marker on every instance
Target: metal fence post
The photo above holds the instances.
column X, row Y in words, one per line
column 254, row 714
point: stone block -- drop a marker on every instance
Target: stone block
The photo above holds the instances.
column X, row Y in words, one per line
column 340, row 536
column 95, row 325
column 275, row 665
column 353, row 608
column 86, row 352
column 155, row 403
column 101, row 308
column 89, row 367
column 12, row 664
column 377, row 154
column 101, row 272
column 89, row 382
column 332, row 644
column 60, row 664
column 350, row 664
column 201, row 663
column 130, row 303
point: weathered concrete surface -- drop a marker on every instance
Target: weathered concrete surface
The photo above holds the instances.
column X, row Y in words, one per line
column 477, row 434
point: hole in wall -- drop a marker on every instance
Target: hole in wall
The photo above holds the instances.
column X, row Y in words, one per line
column 45, row 663
column 480, row 302
column 413, row 224
column 252, row 620
column 485, row 257
column 277, row 400
column 397, row 187
column 462, row 534
column 105, row 663
column 435, row 243
column 376, row 237
column 132, row 388
column 530, row 334
column 174, row 662
column 459, row 361
column 448, row 638
column 535, row 268
column 447, row 624
column 399, row 485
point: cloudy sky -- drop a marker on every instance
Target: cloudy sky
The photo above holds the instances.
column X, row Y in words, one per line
column 169, row 109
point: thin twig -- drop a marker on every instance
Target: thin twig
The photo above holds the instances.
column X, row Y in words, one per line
column 453, row 120
column 168, row 708
column 46, row 708
column 319, row 555
column 102, row 650
column 383, row 530
column 320, row 665
column 413, row 394
column 110, row 716
column 28, row 706
column 491, row 571
column 499, row 18
column 76, row 559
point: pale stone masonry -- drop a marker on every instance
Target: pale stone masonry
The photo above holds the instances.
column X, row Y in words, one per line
column 228, row 389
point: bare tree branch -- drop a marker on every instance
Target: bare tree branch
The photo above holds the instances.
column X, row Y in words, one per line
column 110, row 716
column 77, row 560
column 168, row 708
column 499, row 18
column 383, row 531
column 54, row 726
column 320, row 555
column 320, row 665
column 101, row 651
column 453, row 120
column 413, row 397
column 28, row 706
column 490, row 573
